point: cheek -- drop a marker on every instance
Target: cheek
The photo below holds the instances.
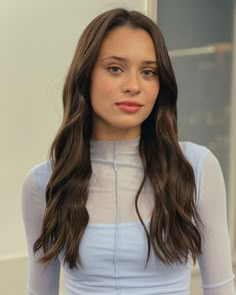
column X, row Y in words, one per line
column 101, row 88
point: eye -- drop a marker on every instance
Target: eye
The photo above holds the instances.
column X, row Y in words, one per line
column 149, row 73
column 114, row 70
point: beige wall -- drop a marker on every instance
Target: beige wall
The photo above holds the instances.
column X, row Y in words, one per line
column 38, row 39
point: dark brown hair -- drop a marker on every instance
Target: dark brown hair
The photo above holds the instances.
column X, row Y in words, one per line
column 175, row 225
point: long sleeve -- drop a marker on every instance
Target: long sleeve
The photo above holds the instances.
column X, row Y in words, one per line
column 215, row 262
column 41, row 280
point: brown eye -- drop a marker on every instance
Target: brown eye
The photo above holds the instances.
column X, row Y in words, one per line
column 149, row 73
column 114, row 70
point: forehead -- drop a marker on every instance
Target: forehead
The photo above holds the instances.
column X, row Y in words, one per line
column 126, row 41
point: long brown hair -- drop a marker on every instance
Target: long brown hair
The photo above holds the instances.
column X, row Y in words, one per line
column 175, row 227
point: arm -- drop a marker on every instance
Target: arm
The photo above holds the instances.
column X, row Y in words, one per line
column 215, row 262
column 41, row 280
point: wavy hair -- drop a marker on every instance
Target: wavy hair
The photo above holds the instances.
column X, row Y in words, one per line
column 175, row 227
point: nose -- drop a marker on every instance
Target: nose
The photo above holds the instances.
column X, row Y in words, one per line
column 131, row 84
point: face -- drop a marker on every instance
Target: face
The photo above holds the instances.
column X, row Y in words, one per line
column 124, row 84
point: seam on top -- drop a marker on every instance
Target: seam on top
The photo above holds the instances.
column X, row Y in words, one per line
column 125, row 224
column 37, row 174
column 199, row 174
column 30, row 290
column 217, row 285
column 117, row 218
column 117, row 163
column 36, row 183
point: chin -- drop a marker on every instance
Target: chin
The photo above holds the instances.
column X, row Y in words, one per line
column 126, row 125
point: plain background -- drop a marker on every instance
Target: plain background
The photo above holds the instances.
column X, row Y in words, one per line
column 38, row 39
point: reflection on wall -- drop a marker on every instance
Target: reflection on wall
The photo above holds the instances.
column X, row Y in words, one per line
column 191, row 29
column 204, row 102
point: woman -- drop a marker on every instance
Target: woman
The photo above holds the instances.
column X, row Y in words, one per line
column 123, row 206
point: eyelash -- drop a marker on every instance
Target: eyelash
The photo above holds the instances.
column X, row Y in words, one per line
column 154, row 73
column 110, row 69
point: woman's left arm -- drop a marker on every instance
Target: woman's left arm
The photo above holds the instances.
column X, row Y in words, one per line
column 215, row 262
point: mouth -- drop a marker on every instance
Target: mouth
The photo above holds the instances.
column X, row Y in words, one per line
column 129, row 106
column 129, row 103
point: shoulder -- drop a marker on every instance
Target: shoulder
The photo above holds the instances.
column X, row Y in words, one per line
column 196, row 155
column 40, row 175
column 194, row 152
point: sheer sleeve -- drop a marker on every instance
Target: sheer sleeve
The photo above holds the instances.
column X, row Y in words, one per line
column 215, row 262
column 41, row 279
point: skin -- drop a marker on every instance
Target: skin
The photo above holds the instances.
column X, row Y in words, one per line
column 122, row 73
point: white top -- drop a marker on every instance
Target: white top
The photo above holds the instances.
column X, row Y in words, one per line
column 114, row 246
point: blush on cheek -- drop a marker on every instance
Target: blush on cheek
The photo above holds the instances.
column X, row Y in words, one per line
column 107, row 83
column 106, row 91
column 102, row 84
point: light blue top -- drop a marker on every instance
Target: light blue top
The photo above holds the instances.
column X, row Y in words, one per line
column 114, row 246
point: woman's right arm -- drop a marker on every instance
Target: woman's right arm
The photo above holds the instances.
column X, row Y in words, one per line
column 42, row 279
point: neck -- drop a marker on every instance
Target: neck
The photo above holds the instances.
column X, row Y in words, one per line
column 119, row 151
column 115, row 135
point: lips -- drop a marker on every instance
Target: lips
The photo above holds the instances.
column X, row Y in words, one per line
column 129, row 106
column 129, row 103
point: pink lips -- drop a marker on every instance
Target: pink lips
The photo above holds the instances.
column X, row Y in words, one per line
column 129, row 106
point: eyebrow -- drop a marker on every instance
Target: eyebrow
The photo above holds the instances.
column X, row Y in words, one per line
column 147, row 62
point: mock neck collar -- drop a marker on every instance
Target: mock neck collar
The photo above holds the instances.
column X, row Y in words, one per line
column 108, row 150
